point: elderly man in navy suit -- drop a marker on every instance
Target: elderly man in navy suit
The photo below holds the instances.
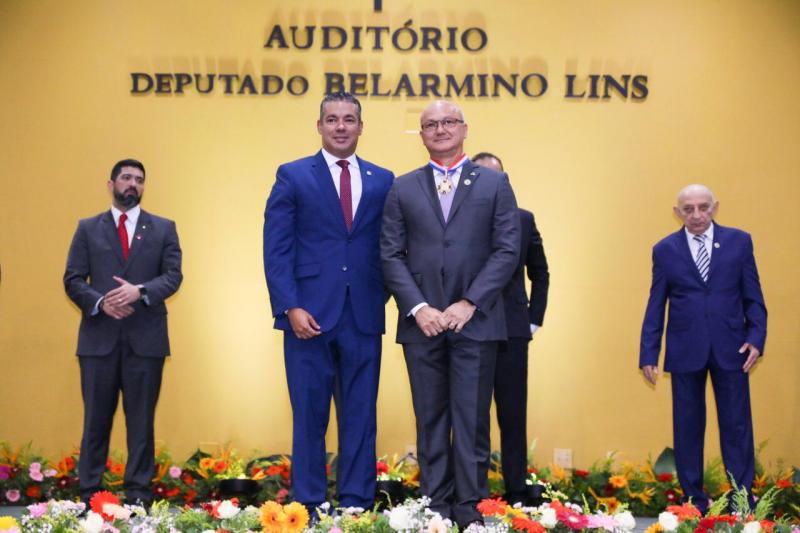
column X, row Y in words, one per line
column 717, row 325
column 321, row 259
column 121, row 266
column 449, row 244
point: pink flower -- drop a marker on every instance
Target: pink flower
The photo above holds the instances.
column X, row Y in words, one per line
column 35, row 472
column 50, row 472
column 5, row 471
column 175, row 472
column 12, row 495
column 597, row 521
column 38, row 510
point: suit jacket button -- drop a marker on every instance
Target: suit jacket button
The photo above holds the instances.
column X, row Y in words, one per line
column 344, row 268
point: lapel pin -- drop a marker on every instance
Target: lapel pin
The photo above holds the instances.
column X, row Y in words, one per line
column 138, row 237
column 369, row 173
column 716, row 245
column 467, row 181
column 472, row 173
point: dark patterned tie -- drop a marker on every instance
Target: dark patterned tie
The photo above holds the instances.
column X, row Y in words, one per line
column 702, row 260
column 345, row 194
column 123, row 235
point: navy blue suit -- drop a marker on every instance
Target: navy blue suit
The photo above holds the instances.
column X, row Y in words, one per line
column 708, row 323
column 311, row 261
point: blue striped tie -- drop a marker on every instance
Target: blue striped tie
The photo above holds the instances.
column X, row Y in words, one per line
column 702, row 260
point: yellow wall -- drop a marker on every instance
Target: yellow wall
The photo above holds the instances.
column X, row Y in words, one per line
column 600, row 176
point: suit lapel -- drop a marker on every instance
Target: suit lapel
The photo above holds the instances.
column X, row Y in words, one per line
column 719, row 236
column 426, row 182
column 329, row 196
column 143, row 227
column 367, row 190
column 111, row 234
column 469, row 174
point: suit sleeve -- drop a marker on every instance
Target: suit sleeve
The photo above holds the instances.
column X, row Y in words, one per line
column 653, row 324
column 755, row 310
column 77, row 272
column 279, row 245
column 539, row 274
column 496, row 272
column 396, row 275
column 167, row 282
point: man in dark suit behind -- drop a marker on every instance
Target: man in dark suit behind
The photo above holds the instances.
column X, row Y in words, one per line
column 523, row 317
column 121, row 266
column 321, row 260
column 717, row 325
column 449, row 244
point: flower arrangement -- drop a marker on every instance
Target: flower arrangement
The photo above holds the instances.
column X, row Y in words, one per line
column 644, row 489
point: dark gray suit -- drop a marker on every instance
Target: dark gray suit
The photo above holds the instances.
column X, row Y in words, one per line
column 511, row 372
column 425, row 259
column 121, row 355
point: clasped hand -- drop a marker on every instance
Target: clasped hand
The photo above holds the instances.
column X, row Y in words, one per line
column 433, row 322
column 117, row 303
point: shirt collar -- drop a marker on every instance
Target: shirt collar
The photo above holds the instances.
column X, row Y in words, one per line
column 331, row 159
column 133, row 214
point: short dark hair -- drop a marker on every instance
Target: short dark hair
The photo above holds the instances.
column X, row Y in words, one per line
column 487, row 155
column 125, row 163
column 339, row 97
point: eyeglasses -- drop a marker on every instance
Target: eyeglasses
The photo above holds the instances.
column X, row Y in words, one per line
column 447, row 123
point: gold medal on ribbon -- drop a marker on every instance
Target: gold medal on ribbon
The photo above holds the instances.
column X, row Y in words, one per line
column 445, row 186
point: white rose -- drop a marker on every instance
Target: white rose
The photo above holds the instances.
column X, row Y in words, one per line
column 116, row 511
column 227, row 509
column 437, row 525
column 668, row 521
column 400, row 518
column 93, row 523
column 752, row 527
column 548, row 518
column 625, row 521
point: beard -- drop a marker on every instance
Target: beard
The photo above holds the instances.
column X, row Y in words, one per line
column 127, row 200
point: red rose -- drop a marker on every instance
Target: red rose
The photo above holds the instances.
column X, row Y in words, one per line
column 34, row 491
column 382, row 467
column 581, row 473
column 666, row 476
column 671, row 495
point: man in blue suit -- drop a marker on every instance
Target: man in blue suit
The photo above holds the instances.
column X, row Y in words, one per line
column 322, row 263
column 718, row 325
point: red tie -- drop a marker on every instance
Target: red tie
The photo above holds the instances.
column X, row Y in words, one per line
column 345, row 195
column 123, row 235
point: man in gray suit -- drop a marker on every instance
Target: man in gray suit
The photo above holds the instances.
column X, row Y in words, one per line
column 121, row 266
column 449, row 244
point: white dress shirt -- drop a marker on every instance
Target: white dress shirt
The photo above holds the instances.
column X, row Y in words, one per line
column 694, row 246
column 355, row 176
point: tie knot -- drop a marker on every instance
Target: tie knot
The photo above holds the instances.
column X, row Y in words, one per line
column 343, row 163
column 700, row 238
column 122, row 218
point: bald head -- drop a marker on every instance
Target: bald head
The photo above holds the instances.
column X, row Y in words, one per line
column 696, row 208
column 443, row 130
column 694, row 190
column 441, row 106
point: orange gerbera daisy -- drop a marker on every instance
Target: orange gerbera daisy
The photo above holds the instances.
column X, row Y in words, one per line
column 272, row 517
column 618, row 482
column 206, row 463
column 99, row 500
column 492, row 507
column 684, row 512
column 526, row 524
column 296, row 517
column 655, row 528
